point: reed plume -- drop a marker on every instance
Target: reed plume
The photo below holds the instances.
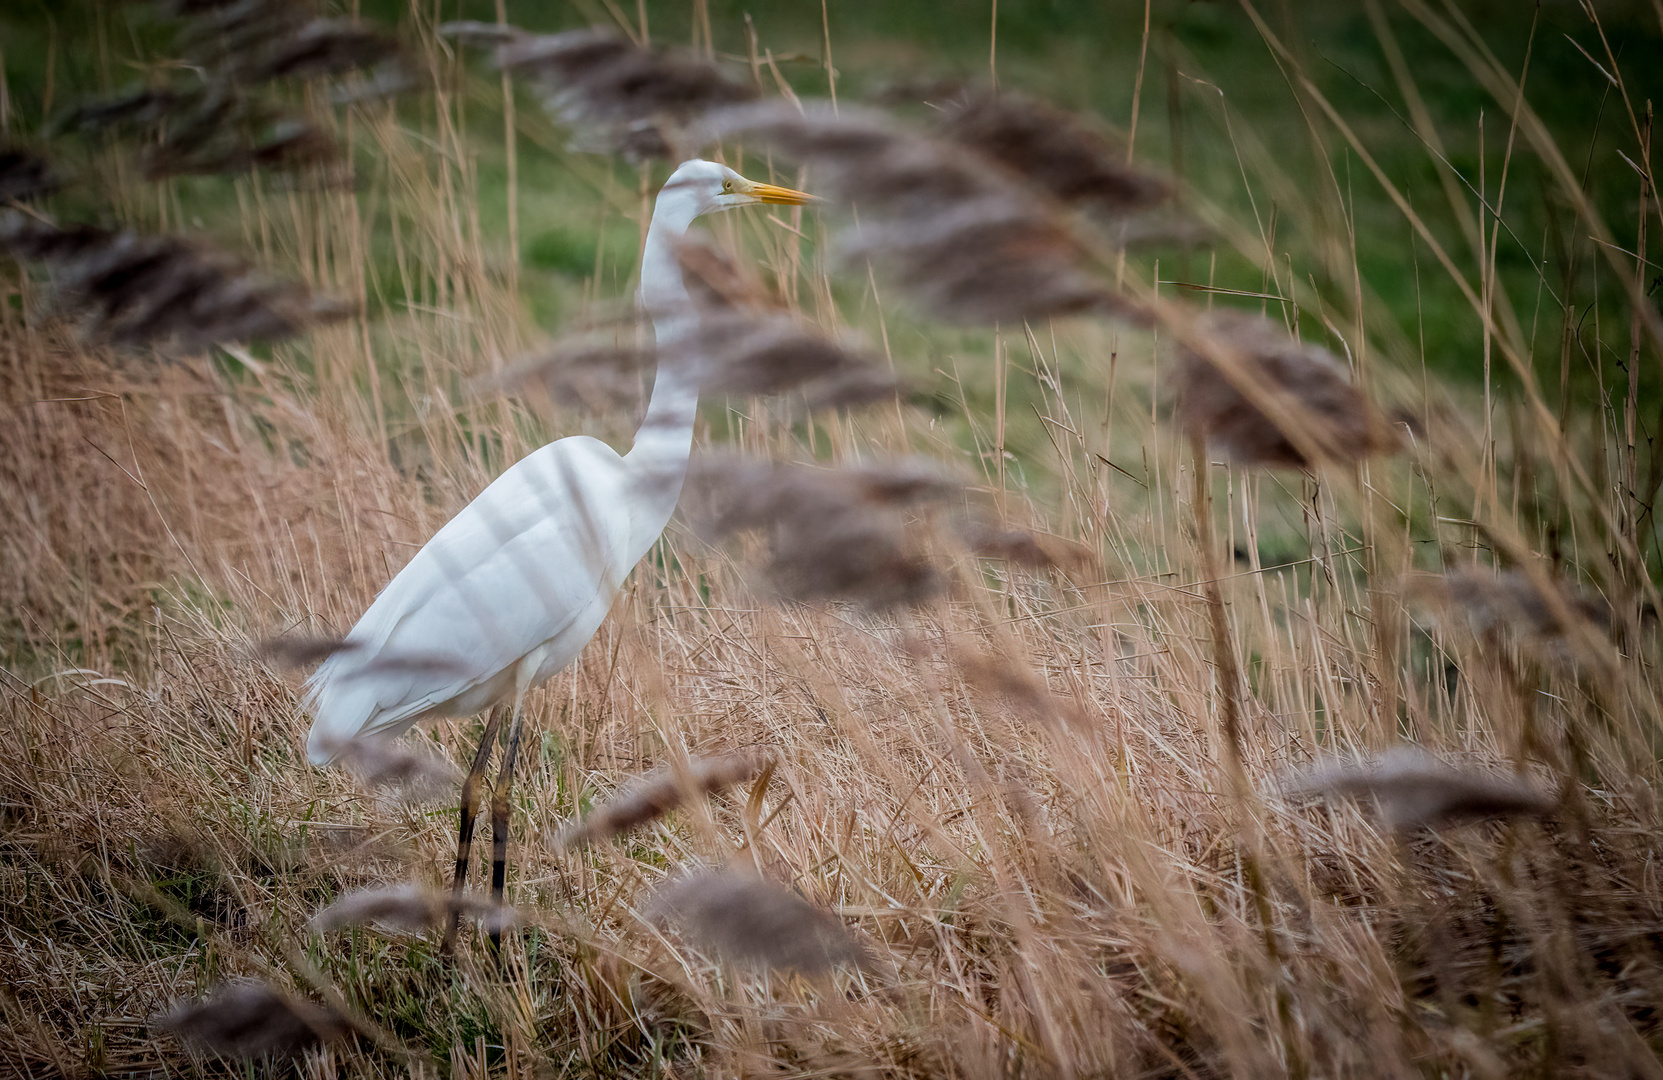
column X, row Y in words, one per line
column 1307, row 389
column 412, row 908
column 742, row 920
column 246, row 1018
column 651, row 797
column 833, row 533
column 616, row 96
column 965, row 238
column 25, row 176
column 1051, row 148
column 1511, row 602
column 1414, row 790
column 137, row 289
column 398, row 768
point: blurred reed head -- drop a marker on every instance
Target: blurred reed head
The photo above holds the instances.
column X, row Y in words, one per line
column 742, row 920
column 761, row 355
column 397, row 768
column 1057, row 151
column 411, row 908
column 834, row 534
column 25, row 176
column 208, row 129
column 1017, row 687
column 300, row 650
column 246, row 1018
column 1414, row 790
column 618, row 97
column 963, row 236
column 136, row 289
column 319, row 48
column 734, row 351
column 591, row 372
column 1306, row 388
column 1027, row 548
column 716, row 281
column 1511, row 602
column 651, row 797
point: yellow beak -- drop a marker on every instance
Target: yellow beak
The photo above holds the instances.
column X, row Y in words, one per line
column 769, row 193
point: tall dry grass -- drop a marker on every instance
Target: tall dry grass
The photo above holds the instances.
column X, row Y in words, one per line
column 1020, row 793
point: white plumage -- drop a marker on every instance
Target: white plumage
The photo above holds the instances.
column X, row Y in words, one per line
column 509, row 591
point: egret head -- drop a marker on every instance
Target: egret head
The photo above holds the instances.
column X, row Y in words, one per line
column 709, row 187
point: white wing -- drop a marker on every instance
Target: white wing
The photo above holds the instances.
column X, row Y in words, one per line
column 525, row 573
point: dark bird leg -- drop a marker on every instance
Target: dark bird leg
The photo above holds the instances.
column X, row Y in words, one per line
column 499, row 819
column 464, row 840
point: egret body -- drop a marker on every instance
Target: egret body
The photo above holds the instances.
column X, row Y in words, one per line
column 509, row 591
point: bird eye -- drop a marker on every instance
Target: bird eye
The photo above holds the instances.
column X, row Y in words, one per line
column 727, row 185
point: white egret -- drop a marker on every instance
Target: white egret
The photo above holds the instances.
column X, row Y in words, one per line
column 509, row 591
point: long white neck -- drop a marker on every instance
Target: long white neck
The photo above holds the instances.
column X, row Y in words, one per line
column 658, row 460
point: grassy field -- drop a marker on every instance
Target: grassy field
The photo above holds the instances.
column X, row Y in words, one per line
column 1022, row 795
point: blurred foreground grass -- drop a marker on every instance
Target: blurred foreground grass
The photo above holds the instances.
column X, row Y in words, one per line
column 1016, row 793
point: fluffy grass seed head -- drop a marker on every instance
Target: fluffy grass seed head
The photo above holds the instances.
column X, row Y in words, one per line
column 743, row 920
column 1309, row 387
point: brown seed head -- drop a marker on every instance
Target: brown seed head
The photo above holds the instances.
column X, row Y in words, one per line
column 618, row 96
column 298, row 650
column 1512, row 603
column 1309, row 389
column 650, row 797
column 834, row 533
column 1054, row 149
column 24, row 176
column 143, row 289
column 746, row 921
column 319, row 48
column 1414, row 790
column 398, row 768
column 245, row 1018
column 410, row 907
column 965, row 237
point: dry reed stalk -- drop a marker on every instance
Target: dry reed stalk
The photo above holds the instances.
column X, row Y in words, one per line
column 743, row 920
column 650, row 797
column 411, row 908
column 1308, row 384
column 246, row 1018
column 1414, row 790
